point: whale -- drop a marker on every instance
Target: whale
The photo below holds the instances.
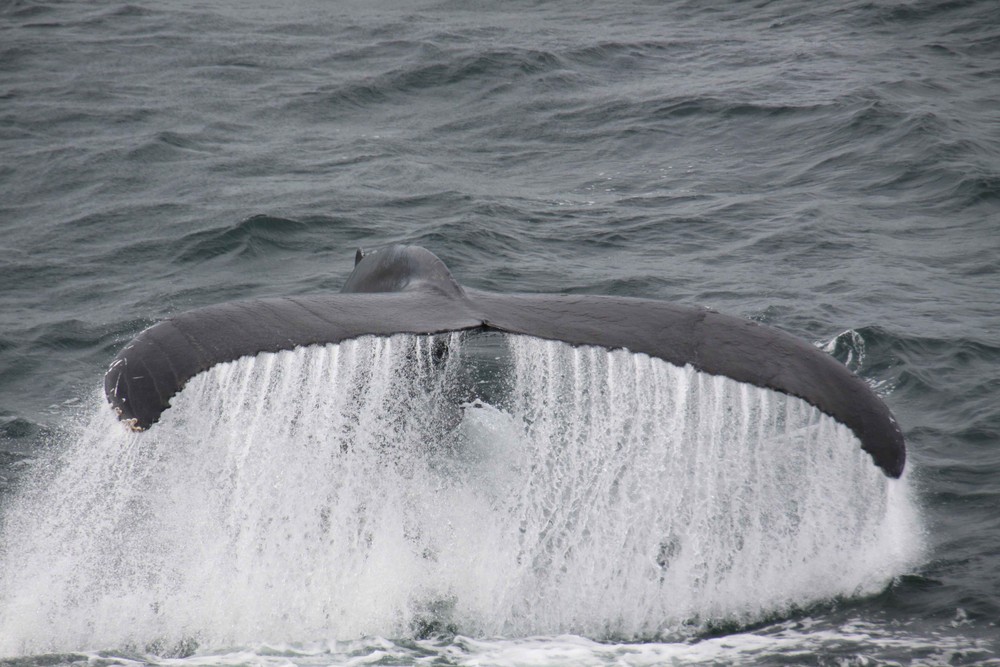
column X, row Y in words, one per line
column 409, row 290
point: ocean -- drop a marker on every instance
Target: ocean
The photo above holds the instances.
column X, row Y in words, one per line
column 828, row 169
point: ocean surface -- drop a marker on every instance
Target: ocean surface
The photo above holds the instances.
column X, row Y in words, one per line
column 829, row 169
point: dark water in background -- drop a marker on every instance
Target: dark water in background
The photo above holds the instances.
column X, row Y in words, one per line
column 821, row 168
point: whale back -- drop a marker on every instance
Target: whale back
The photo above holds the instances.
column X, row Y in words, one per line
column 400, row 269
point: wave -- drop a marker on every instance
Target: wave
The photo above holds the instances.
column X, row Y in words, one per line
column 255, row 235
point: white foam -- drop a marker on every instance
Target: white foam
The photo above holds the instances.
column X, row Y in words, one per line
column 350, row 491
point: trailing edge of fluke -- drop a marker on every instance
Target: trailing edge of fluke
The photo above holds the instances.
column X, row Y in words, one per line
column 407, row 289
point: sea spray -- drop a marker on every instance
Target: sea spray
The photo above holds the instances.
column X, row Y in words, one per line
column 412, row 484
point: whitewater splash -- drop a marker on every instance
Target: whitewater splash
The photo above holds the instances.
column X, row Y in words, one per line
column 414, row 484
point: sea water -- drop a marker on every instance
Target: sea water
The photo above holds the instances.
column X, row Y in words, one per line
column 830, row 169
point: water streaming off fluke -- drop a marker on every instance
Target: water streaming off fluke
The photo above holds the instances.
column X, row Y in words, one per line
column 488, row 485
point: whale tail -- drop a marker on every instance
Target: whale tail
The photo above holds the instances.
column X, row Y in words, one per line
column 405, row 289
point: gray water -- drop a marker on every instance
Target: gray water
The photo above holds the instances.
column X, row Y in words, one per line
column 831, row 170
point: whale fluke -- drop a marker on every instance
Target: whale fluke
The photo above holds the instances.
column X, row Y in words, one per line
column 407, row 289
